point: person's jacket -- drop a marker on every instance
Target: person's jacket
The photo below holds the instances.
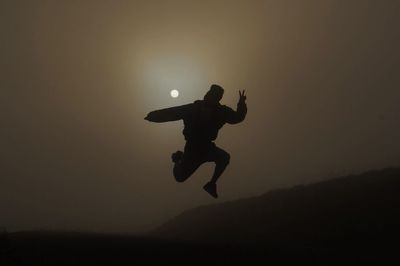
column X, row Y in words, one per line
column 202, row 120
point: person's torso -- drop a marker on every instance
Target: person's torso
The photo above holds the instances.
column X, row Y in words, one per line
column 203, row 122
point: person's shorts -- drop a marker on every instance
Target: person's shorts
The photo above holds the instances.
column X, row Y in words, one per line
column 202, row 152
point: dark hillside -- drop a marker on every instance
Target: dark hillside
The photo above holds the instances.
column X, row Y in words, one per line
column 360, row 210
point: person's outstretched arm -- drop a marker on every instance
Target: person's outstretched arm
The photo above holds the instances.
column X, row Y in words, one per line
column 233, row 117
column 169, row 114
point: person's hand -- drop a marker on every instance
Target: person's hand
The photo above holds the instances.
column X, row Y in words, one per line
column 149, row 116
column 242, row 97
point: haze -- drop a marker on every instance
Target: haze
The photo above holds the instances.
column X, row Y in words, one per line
column 78, row 77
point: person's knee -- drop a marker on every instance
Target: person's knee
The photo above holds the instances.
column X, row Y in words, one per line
column 179, row 176
column 225, row 158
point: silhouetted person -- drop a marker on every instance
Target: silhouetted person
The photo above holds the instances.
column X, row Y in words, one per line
column 202, row 121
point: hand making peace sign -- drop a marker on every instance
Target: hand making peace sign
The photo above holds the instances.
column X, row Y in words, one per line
column 242, row 97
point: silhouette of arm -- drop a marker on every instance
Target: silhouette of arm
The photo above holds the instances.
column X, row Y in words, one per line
column 169, row 114
column 234, row 117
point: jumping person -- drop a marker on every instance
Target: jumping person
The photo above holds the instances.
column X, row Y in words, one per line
column 202, row 121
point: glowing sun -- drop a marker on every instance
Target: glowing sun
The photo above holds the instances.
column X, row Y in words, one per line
column 174, row 93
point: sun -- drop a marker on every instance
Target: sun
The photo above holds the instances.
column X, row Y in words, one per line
column 174, row 93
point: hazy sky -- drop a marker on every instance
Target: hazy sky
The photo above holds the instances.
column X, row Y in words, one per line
column 78, row 77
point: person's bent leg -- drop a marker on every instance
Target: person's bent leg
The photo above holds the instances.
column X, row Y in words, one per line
column 221, row 160
column 179, row 173
column 184, row 169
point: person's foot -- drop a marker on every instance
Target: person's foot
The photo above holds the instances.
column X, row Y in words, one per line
column 211, row 188
column 176, row 156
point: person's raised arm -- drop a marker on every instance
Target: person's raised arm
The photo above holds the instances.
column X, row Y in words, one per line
column 233, row 117
column 169, row 114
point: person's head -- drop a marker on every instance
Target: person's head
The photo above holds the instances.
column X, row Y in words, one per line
column 214, row 94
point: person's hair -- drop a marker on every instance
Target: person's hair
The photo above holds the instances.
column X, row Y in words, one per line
column 214, row 94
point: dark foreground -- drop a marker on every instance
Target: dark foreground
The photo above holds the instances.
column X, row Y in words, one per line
column 352, row 220
column 55, row 248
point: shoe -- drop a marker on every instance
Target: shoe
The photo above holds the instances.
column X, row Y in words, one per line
column 177, row 156
column 211, row 188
